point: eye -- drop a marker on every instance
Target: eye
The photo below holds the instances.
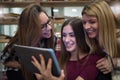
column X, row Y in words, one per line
column 92, row 22
column 45, row 24
column 63, row 34
column 84, row 22
column 72, row 34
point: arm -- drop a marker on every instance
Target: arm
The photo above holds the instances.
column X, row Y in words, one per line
column 105, row 66
column 10, row 60
column 45, row 70
column 14, row 64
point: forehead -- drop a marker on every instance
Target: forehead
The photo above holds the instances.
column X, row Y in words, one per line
column 87, row 17
column 67, row 28
column 43, row 17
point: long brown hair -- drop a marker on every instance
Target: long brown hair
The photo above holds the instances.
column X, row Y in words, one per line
column 82, row 46
column 29, row 30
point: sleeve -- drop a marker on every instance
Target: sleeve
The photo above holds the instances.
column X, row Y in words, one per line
column 8, row 56
column 3, row 56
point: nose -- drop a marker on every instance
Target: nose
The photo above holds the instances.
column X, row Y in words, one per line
column 49, row 27
column 87, row 25
column 67, row 39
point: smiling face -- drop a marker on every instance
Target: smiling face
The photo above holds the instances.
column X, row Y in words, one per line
column 69, row 38
column 46, row 25
column 90, row 25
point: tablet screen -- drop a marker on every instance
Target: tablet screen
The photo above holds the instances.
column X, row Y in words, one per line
column 25, row 53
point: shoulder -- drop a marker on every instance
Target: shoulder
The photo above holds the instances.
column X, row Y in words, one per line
column 95, row 57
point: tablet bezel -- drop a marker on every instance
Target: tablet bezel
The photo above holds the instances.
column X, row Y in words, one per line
column 24, row 53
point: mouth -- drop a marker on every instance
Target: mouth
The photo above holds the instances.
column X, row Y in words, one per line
column 91, row 31
column 47, row 33
column 69, row 45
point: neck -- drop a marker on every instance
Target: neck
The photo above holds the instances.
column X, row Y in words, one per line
column 74, row 56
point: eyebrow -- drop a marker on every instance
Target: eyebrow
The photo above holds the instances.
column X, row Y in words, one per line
column 68, row 33
column 47, row 22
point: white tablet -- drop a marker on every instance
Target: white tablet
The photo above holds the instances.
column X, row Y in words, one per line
column 25, row 53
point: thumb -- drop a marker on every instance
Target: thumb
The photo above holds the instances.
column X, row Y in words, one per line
column 38, row 76
column 62, row 76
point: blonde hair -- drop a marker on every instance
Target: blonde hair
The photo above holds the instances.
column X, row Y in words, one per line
column 106, row 22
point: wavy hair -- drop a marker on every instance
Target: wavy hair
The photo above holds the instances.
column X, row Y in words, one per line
column 106, row 22
column 29, row 28
column 29, row 32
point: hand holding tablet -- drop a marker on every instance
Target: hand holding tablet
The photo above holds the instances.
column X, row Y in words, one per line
column 25, row 53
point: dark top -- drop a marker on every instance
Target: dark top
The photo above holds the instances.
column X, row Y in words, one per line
column 86, row 68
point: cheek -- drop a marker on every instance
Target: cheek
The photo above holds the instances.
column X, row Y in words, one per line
column 96, row 26
column 64, row 41
column 97, row 33
column 75, row 43
column 42, row 33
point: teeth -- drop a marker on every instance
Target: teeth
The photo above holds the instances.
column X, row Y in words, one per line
column 90, row 31
column 69, row 44
column 47, row 33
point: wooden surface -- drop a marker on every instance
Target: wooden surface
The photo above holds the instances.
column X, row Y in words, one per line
column 45, row 4
column 4, row 40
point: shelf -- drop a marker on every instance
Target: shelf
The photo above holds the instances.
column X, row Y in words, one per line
column 13, row 20
column 64, row 3
column 8, row 22
column 58, row 21
column 46, row 4
column 4, row 40
column 49, row 3
column 14, row 4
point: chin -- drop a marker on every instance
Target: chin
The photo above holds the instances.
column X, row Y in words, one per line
column 70, row 50
column 47, row 37
column 92, row 36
